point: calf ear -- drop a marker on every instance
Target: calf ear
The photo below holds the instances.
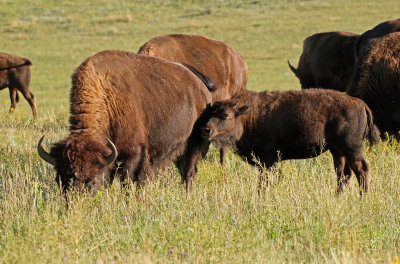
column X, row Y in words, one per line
column 242, row 110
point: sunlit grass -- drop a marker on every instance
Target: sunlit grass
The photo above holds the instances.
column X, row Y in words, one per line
column 225, row 219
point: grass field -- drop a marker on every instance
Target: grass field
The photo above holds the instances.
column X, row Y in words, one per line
column 224, row 220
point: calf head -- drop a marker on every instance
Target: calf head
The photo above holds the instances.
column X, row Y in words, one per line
column 83, row 162
column 223, row 122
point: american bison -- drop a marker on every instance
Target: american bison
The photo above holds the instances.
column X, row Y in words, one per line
column 216, row 59
column 376, row 81
column 327, row 60
column 15, row 73
column 297, row 125
column 368, row 37
column 137, row 110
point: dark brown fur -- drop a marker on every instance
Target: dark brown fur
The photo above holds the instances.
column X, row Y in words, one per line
column 377, row 82
column 15, row 73
column 146, row 106
column 297, row 125
column 216, row 59
column 369, row 36
column 327, row 60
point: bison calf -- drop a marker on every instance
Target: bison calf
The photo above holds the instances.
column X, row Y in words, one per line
column 15, row 73
column 298, row 125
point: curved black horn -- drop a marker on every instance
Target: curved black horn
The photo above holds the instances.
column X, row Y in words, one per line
column 113, row 156
column 44, row 154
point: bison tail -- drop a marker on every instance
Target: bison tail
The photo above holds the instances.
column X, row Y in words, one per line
column 294, row 70
column 374, row 135
column 206, row 80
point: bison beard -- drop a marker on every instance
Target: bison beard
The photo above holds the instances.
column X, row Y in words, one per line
column 297, row 124
column 148, row 108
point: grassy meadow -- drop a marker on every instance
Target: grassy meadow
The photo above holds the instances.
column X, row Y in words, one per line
column 299, row 219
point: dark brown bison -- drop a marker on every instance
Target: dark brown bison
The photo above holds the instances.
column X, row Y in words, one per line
column 365, row 40
column 15, row 73
column 137, row 110
column 327, row 60
column 297, row 125
column 377, row 82
column 216, row 59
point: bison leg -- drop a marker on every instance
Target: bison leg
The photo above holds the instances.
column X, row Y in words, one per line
column 31, row 100
column 222, row 155
column 342, row 169
column 361, row 169
column 137, row 168
column 187, row 163
column 13, row 98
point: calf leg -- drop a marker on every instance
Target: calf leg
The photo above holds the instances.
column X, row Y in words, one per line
column 342, row 169
column 361, row 169
column 222, row 155
column 13, row 98
column 31, row 100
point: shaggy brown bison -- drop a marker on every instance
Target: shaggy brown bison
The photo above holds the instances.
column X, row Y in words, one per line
column 376, row 81
column 15, row 73
column 216, row 59
column 327, row 60
column 365, row 40
column 137, row 110
column 297, row 125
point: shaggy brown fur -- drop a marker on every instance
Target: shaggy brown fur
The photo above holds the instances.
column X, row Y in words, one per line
column 216, row 59
column 15, row 73
column 277, row 126
column 377, row 82
column 146, row 106
column 368, row 37
column 327, row 60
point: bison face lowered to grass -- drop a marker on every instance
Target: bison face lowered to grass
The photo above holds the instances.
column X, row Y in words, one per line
column 298, row 125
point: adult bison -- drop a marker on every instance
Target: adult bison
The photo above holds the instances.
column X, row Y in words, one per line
column 15, row 73
column 376, row 81
column 327, row 60
column 298, row 125
column 368, row 37
column 138, row 110
column 216, row 59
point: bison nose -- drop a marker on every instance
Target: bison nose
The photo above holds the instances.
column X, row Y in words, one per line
column 205, row 131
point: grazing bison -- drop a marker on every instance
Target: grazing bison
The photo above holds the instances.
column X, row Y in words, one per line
column 376, row 81
column 15, row 73
column 368, row 37
column 138, row 110
column 216, row 59
column 298, row 125
column 327, row 60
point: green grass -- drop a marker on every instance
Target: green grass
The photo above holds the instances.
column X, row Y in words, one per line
column 224, row 220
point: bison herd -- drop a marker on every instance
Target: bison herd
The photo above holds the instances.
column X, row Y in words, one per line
column 135, row 113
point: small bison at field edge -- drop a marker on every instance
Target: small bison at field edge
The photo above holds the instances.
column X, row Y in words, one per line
column 327, row 60
column 137, row 110
column 15, row 73
column 298, row 125
column 377, row 82
column 216, row 59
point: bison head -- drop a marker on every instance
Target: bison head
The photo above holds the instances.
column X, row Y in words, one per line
column 82, row 162
column 222, row 123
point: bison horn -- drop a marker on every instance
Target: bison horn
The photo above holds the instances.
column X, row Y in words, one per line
column 45, row 155
column 113, row 156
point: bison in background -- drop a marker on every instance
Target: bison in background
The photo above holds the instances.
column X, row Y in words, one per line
column 368, row 37
column 377, row 82
column 216, row 59
column 297, row 125
column 15, row 73
column 138, row 110
column 327, row 60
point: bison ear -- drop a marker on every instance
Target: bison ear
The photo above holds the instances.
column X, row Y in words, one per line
column 242, row 110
